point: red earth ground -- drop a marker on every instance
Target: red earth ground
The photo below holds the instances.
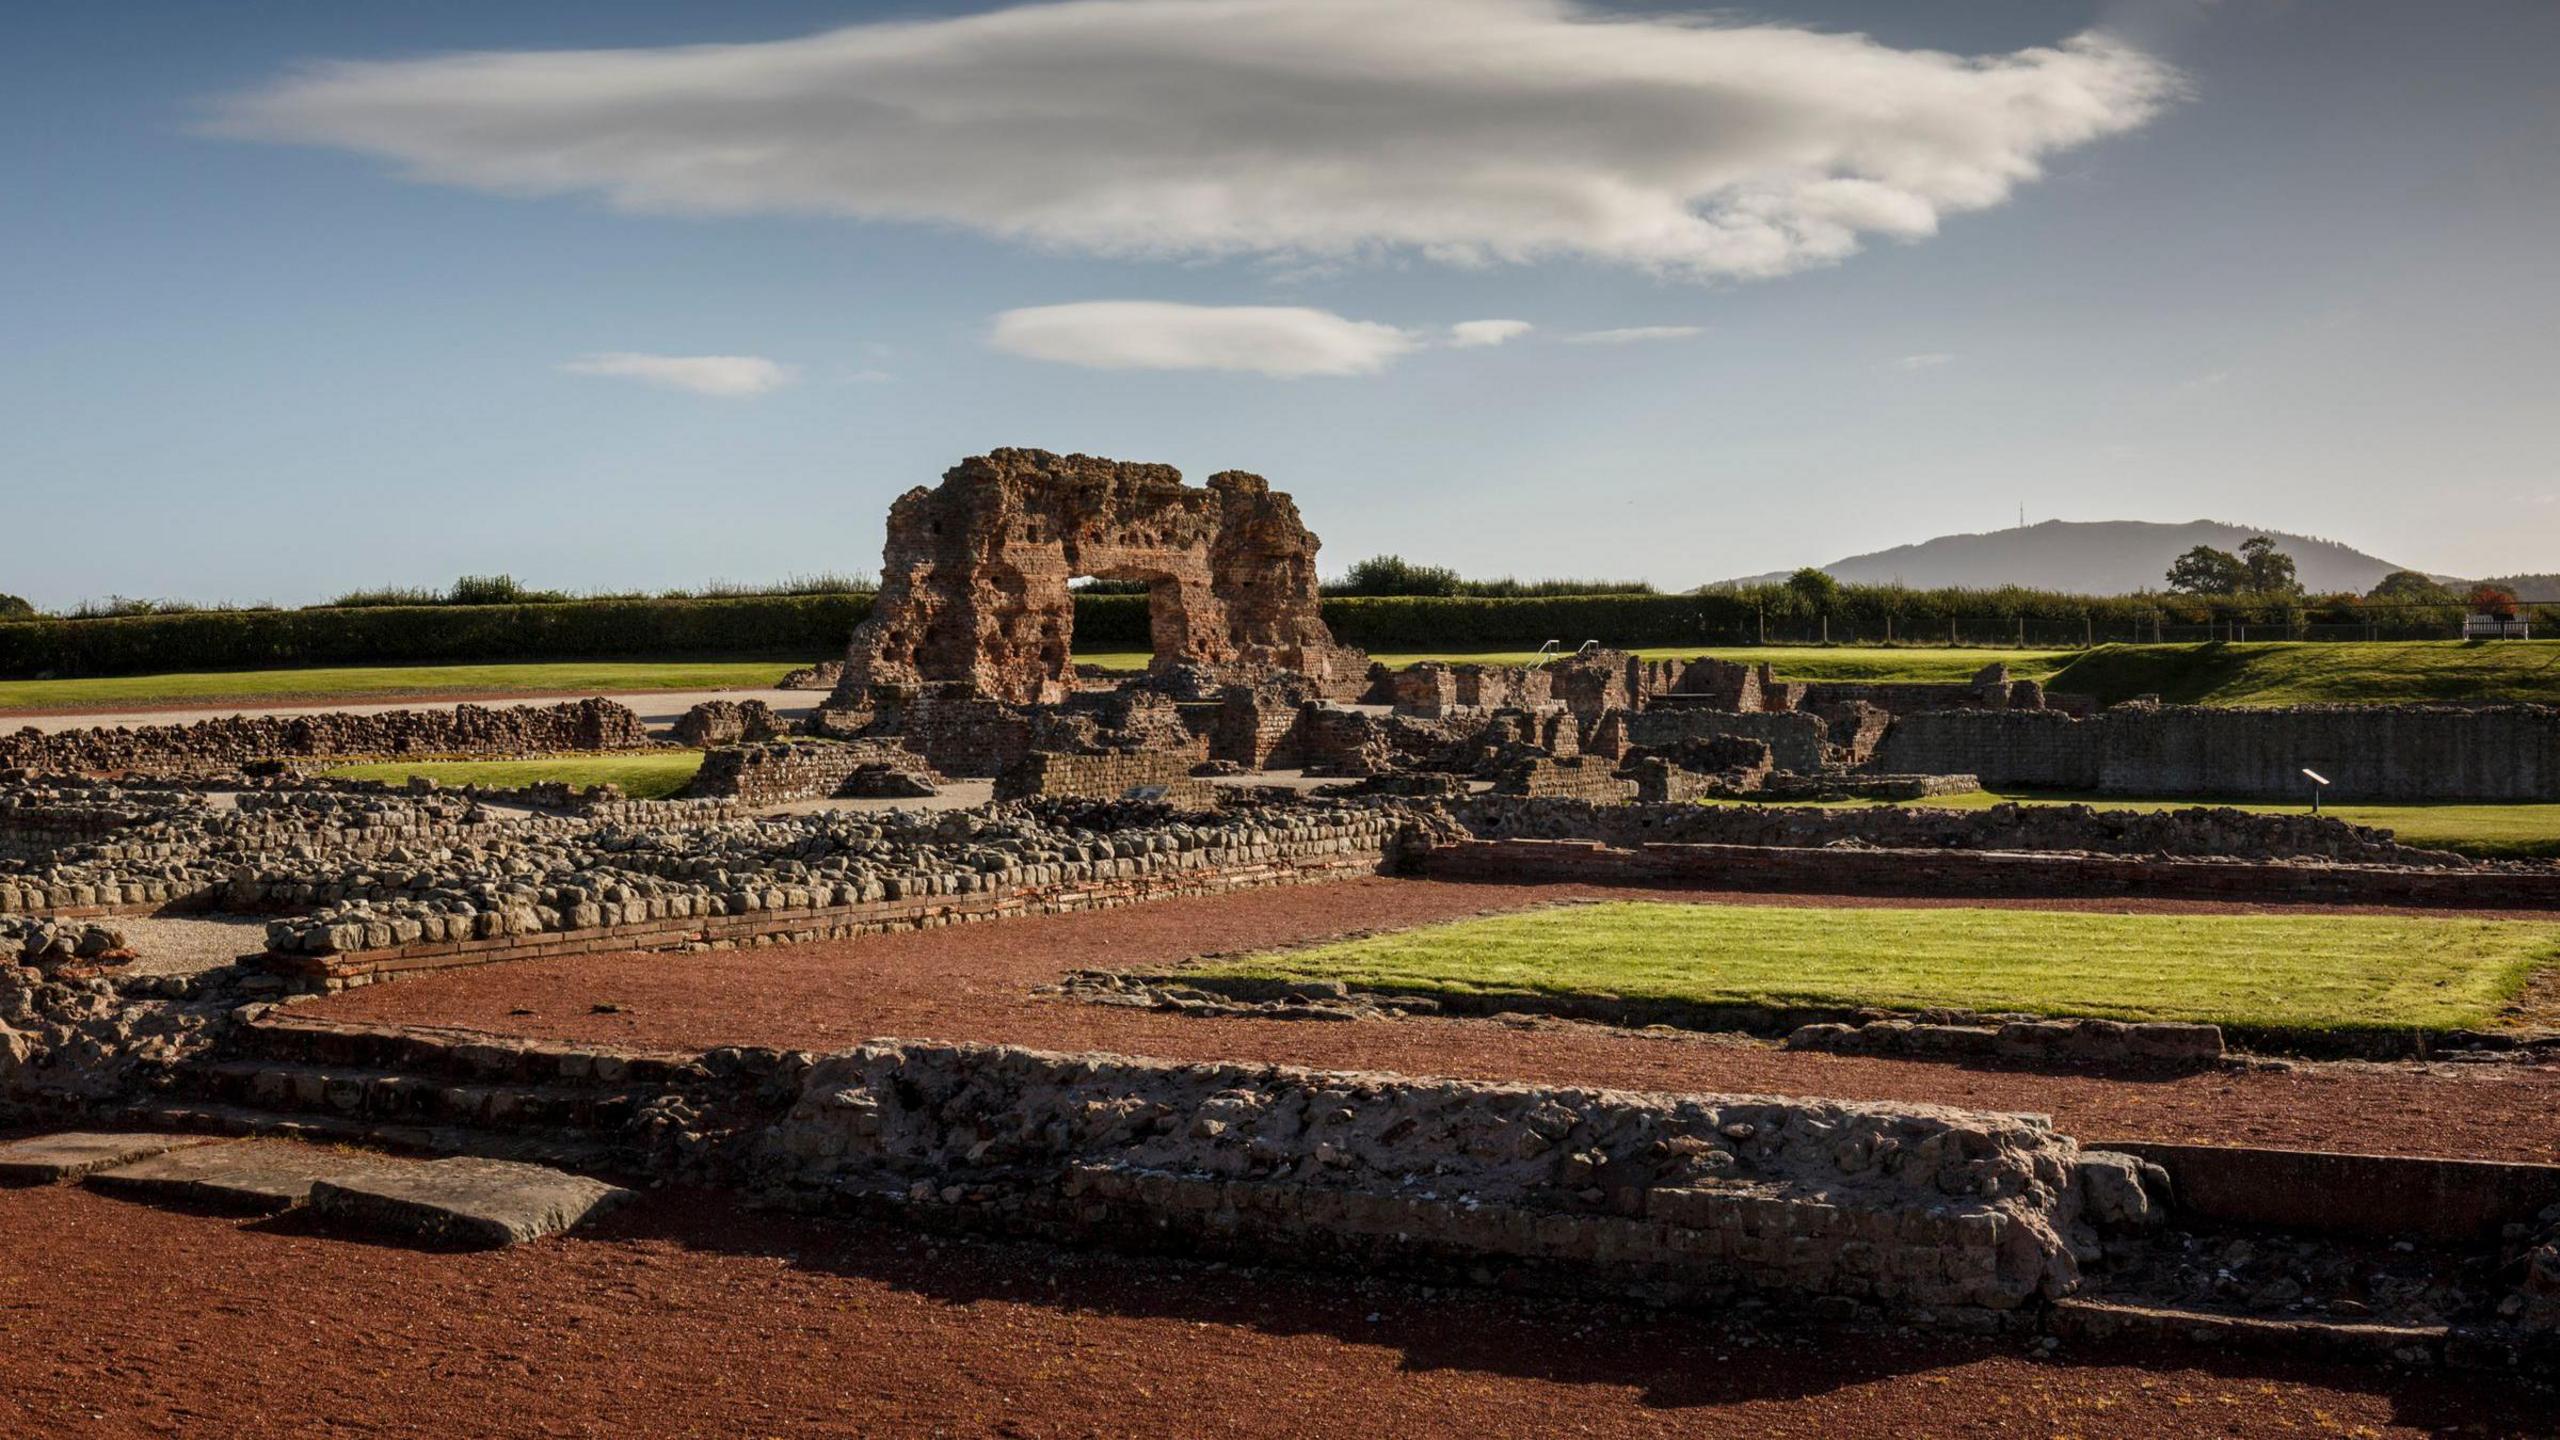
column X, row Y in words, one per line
column 974, row 982
column 681, row 1315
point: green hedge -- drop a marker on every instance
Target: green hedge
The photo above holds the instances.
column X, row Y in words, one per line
column 808, row 626
column 815, row 626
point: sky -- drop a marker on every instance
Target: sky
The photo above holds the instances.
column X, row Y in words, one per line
column 300, row 297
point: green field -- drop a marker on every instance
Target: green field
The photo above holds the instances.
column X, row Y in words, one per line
column 2263, row 971
column 1794, row 662
column 2319, row 673
column 2512, row 831
column 391, row 682
column 2281, row 673
column 649, row 775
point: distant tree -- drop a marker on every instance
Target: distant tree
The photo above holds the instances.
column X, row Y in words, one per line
column 13, row 607
column 2270, row 570
column 2207, row 571
column 2407, row 587
column 2495, row 600
column 1816, row 589
column 1395, row 575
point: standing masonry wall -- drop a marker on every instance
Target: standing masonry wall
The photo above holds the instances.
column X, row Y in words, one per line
column 1106, row 777
column 2369, row 752
column 779, row 771
column 1692, row 1195
column 1796, row 740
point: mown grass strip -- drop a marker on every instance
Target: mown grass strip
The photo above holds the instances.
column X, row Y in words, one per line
column 391, row 682
column 2356, row 973
column 648, row 775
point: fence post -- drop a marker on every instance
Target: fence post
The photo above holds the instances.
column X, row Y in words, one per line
column 2022, row 632
column 1826, row 627
column 2088, row 632
column 1761, row 612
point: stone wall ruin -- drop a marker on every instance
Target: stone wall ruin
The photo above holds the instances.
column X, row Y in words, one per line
column 973, row 586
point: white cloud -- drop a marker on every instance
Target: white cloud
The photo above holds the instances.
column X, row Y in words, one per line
column 1477, row 334
column 725, row 375
column 1928, row 360
column 1465, row 131
column 1635, row 335
column 1282, row 340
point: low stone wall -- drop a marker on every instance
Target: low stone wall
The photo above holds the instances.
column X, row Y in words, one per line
column 238, row 740
column 358, row 947
column 1687, row 1196
column 2201, row 831
column 781, row 771
column 2370, row 752
column 1107, row 777
column 2086, row 1042
column 1943, row 873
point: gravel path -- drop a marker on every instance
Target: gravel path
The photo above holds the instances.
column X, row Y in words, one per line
column 186, row 944
column 681, row 1315
column 973, row 982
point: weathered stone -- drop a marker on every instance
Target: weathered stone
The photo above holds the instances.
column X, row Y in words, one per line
column 52, row 1159
column 974, row 577
column 464, row 1201
column 257, row 1177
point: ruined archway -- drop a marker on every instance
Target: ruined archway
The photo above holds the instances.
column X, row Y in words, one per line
column 974, row 578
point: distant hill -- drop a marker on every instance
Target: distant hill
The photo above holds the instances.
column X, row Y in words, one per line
column 2091, row 557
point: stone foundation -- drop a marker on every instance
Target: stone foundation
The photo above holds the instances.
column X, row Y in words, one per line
column 1694, row 1196
column 234, row 741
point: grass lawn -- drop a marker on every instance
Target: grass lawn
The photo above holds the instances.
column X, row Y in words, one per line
column 2351, row 972
column 391, row 682
column 2493, row 831
column 2396, row 672
column 650, row 775
column 1794, row 662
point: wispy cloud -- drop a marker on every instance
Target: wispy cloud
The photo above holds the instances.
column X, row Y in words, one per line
column 723, row 375
column 1635, row 335
column 1476, row 334
column 1460, row 131
column 1283, row 340
column 1926, row 360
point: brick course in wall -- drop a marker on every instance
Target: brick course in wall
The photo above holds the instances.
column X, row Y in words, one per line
column 1939, row 873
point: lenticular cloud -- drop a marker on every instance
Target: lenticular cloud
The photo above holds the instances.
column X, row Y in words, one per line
column 1465, row 131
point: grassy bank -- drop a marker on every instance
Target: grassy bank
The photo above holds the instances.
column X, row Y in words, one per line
column 649, row 775
column 389, row 682
column 2320, row 673
column 2345, row 972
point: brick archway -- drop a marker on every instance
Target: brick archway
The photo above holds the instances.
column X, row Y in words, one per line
column 973, row 583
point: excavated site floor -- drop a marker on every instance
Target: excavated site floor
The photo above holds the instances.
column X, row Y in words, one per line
column 976, row 982
column 681, row 1315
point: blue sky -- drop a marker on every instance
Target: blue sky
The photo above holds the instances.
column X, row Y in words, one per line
column 2304, row 280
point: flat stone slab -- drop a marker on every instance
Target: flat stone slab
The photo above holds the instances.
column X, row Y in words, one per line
column 463, row 1202
column 53, row 1159
column 255, row 1177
